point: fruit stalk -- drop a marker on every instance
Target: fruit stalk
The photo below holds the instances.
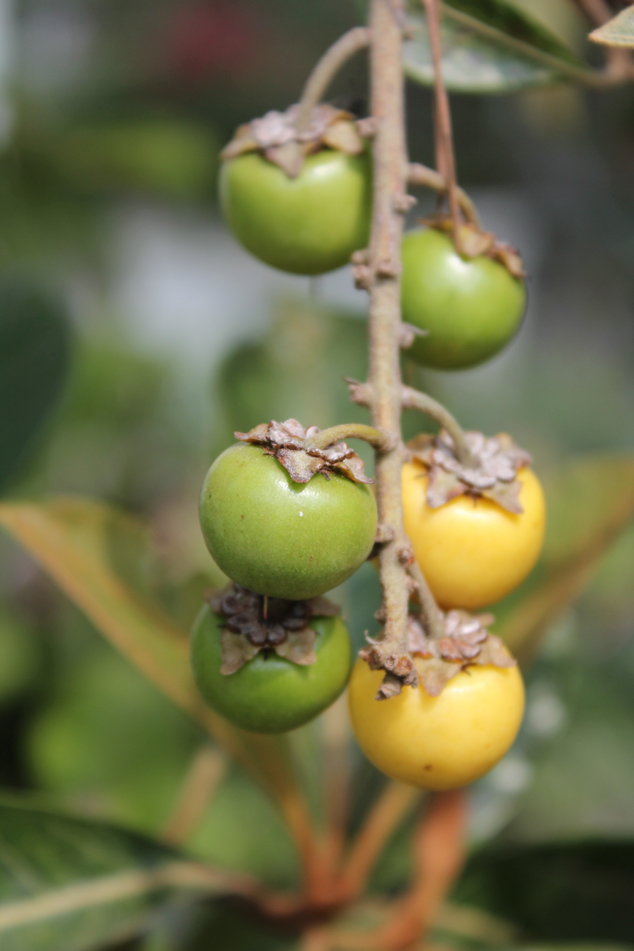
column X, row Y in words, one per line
column 384, row 266
column 445, row 158
column 352, row 42
column 424, row 177
column 328, row 437
column 414, row 399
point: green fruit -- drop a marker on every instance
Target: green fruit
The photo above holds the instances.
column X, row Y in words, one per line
column 470, row 307
column 281, row 538
column 270, row 694
column 306, row 225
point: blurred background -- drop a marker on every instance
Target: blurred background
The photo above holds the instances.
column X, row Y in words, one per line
column 136, row 335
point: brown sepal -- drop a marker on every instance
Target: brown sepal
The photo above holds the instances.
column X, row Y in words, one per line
column 236, row 651
column 255, row 623
column 399, row 668
column 475, row 242
column 491, row 473
column 275, row 135
column 466, row 642
column 299, row 647
column 291, row 445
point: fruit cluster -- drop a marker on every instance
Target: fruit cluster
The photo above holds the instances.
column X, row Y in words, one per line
column 288, row 513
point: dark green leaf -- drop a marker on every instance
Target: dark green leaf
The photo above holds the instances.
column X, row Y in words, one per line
column 34, row 358
column 75, row 884
column 489, row 46
column 557, row 892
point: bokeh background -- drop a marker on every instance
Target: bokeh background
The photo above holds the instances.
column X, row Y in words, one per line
column 153, row 335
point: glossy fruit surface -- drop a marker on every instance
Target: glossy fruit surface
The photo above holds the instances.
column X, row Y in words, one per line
column 270, row 694
column 279, row 537
column 438, row 742
column 470, row 307
column 306, row 225
column 471, row 550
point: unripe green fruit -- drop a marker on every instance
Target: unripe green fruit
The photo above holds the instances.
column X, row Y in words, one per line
column 270, row 694
column 279, row 537
column 470, row 307
column 306, row 225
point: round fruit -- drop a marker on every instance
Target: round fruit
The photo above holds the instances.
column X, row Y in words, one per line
column 471, row 550
column 279, row 537
column 438, row 742
column 306, row 225
column 270, row 694
column 470, row 307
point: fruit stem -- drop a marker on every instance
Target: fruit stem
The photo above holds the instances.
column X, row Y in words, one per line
column 328, row 437
column 430, row 612
column 413, row 399
column 384, row 285
column 326, row 69
column 445, row 158
column 424, row 177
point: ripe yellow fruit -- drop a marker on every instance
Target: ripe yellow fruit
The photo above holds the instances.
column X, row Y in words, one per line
column 438, row 742
column 471, row 550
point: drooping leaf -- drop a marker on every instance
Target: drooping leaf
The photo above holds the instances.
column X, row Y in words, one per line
column 77, row 884
column 489, row 46
column 589, row 503
column 577, row 891
column 80, row 543
column 619, row 31
column 34, row 359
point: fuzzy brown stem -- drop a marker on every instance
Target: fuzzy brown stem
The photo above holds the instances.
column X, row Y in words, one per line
column 434, row 626
column 444, row 137
column 326, row 69
column 385, row 311
column 424, row 177
column 379, row 440
column 413, row 399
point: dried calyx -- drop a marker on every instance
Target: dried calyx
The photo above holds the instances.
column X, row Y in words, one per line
column 277, row 137
column 291, row 445
column 475, row 242
column 399, row 669
column 490, row 473
column 466, row 642
column 254, row 622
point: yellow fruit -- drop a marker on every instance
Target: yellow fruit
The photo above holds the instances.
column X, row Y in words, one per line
column 471, row 550
column 438, row 742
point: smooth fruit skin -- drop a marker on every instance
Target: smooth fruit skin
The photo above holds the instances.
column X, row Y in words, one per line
column 470, row 307
column 279, row 537
column 471, row 550
column 306, row 225
column 270, row 694
column 438, row 742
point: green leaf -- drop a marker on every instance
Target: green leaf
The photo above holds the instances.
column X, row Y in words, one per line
column 34, row 360
column 619, row 31
column 579, row 891
column 589, row 503
column 489, row 46
column 74, row 884
column 174, row 158
column 85, row 548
